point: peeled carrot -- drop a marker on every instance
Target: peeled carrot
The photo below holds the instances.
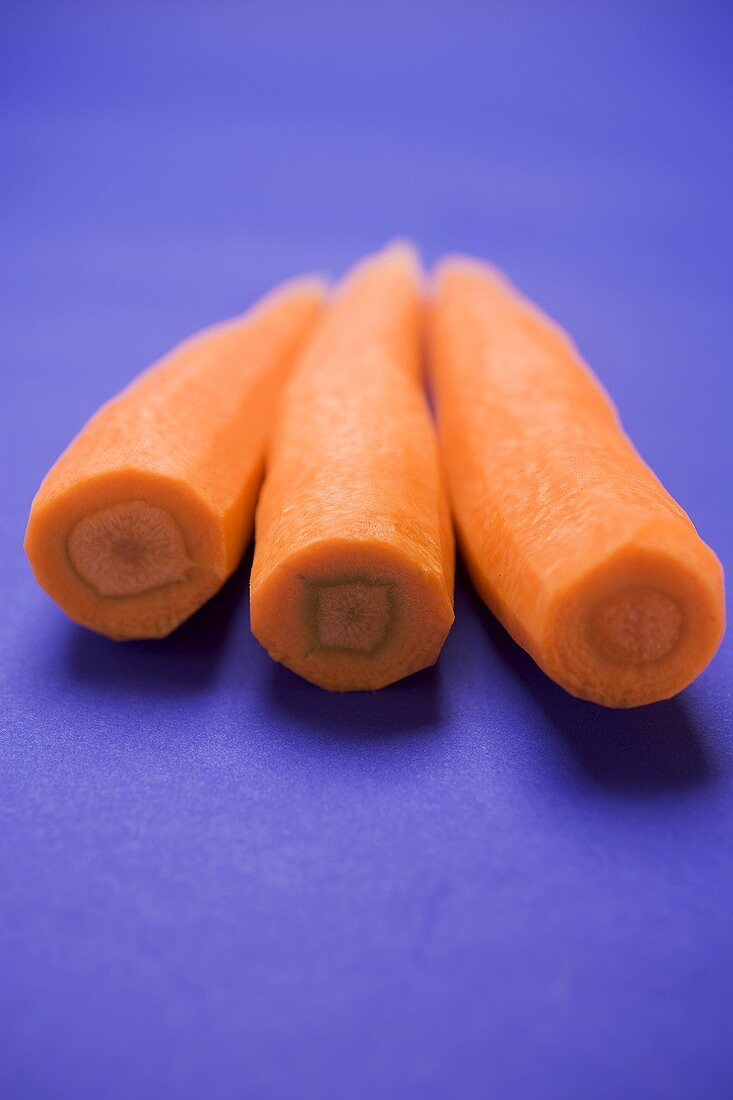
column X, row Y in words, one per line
column 569, row 537
column 147, row 513
column 352, row 580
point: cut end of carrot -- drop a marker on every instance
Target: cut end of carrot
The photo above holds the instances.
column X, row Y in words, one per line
column 636, row 626
column 642, row 625
column 351, row 618
column 129, row 556
column 128, row 549
column 351, row 613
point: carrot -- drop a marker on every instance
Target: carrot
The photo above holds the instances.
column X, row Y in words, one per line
column 148, row 511
column 569, row 537
column 352, row 579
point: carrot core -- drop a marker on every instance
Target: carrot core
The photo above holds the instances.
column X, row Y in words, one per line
column 354, row 613
column 128, row 549
column 636, row 626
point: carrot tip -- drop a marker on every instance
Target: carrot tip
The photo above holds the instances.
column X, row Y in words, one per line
column 401, row 251
column 402, row 246
column 128, row 549
column 315, row 281
column 459, row 263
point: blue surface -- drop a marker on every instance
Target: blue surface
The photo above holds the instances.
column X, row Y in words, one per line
column 216, row 880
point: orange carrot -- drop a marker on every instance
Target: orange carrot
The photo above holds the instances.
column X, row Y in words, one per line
column 568, row 535
column 352, row 579
column 147, row 513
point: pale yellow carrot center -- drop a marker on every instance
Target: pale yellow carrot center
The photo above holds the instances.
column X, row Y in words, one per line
column 636, row 626
column 128, row 549
column 352, row 614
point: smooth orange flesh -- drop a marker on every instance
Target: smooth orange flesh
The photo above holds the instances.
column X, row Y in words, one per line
column 352, row 582
column 569, row 537
column 148, row 511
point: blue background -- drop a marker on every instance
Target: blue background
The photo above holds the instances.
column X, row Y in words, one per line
column 218, row 881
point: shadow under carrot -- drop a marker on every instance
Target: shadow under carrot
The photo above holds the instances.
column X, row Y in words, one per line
column 182, row 664
column 648, row 749
column 410, row 706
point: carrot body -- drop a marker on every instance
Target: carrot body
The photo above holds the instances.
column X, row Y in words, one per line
column 149, row 509
column 569, row 537
column 352, row 579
